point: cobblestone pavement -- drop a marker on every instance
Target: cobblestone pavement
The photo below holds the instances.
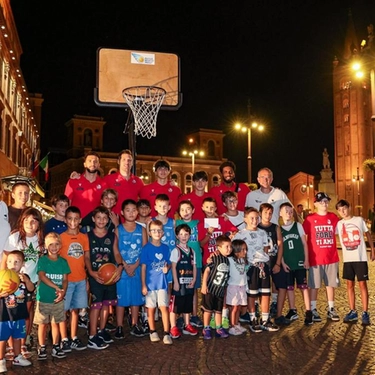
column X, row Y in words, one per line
column 323, row 348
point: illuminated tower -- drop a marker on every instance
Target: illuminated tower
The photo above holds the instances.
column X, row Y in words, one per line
column 353, row 128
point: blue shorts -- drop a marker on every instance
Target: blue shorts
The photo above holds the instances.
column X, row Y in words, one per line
column 198, row 281
column 16, row 329
column 129, row 290
column 76, row 295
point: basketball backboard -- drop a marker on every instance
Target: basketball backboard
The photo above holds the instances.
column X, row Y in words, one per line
column 119, row 69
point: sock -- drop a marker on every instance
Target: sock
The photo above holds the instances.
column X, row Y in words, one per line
column 225, row 313
column 313, row 305
column 91, row 336
column 65, row 339
column 218, row 327
column 331, row 304
column 252, row 316
column 207, row 327
column 265, row 317
column 274, row 297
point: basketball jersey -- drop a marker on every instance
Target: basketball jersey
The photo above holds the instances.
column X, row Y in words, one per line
column 294, row 255
column 272, row 238
column 218, row 277
column 184, row 269
column 101, row 249
column 130, row 243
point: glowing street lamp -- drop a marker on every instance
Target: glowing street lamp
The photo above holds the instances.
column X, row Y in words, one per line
column 248, row 129
column 193, row 154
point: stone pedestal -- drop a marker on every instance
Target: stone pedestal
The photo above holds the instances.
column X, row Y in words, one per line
column 327, row 185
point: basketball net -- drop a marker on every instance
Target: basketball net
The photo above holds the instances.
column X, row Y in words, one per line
column 145, row 103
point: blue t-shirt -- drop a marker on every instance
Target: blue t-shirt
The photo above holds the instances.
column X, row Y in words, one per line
column 155, row 258
column 54, row 225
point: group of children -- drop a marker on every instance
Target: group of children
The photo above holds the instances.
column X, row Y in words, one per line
column 238, row 261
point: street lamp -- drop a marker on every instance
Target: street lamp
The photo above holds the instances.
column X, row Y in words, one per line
column 193, row 154
column 359, row 178
column 248, row 129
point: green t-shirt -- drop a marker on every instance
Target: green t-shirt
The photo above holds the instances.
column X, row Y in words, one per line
column 55, row 271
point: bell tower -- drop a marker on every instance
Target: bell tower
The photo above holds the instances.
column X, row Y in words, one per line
column 353, row 128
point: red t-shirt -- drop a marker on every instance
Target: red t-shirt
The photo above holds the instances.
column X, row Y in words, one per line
column 84, row 194
column 197, row 203
column 224, row 226
column 126, row 189
column 152, row 190
column 217, row 191
column 321, row 238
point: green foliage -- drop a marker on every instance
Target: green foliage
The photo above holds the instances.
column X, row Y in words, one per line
column 369, row 165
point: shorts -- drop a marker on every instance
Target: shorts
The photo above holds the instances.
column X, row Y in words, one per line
column 49, row 313
column 353, row 269
column 181, row 304
column 102, row 294
column 329, row 273
column 76, row 295
column 298, row 277
column 16, row 329
column 31, row 296
column 198, row 281
column 211, row 303
column 129, row 290
column 156, row 298
column 257, row 285
column 280, row 278
column 236, row 295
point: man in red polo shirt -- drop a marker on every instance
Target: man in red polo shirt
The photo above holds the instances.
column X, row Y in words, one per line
column 162, row 185
column 228, row 182
column 85, row 192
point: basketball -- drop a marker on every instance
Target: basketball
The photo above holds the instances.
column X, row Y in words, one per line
column 107, row 273
column 9, row 281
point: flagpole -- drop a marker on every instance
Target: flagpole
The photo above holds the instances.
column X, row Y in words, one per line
column 41, row 160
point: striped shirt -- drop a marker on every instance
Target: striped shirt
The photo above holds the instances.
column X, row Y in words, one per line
column 219, row 274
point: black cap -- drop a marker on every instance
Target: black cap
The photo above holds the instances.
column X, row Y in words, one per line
column 320, row 196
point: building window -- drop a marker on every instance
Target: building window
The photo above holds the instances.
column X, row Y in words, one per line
column 345, row 103
column 188, row 183
column 211, row 149
column 346, row 118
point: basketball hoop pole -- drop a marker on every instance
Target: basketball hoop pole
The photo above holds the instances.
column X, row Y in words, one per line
column 132, row 146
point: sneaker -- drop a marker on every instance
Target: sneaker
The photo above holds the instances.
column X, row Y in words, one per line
column 245, row 318
column 234, row 331
column 20, row 360
column 189, row 330
column 9, row 354
column 119, row 334
column 315, row 316
column 309, row 318
column 180, row 323
column 225, row 322
column 145, row 327
column 221, row 332
column 110, row 327
column 57, row 352
column 292, row 315
column 207, row 333
column 352, row 316
column 175, row 332
column 105, row 336
column 365, row 319
column 136, row 331
column 332, row 314
column 167, row 339
column 83, row 322
column 196, row 322
column 213, row 322
column 269, row 326
column 76, row 344
column 241, row 329
column 25, row 351
column 273, row 310
column 282, row 321
column 255, row 327
column 154, row 337
column 42, row 353
column 65, row 346
column 3, row 365
column 96, row 342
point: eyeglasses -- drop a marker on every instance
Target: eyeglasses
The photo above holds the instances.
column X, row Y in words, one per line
column 156, row 230
column 232, row 200
column 324, row 201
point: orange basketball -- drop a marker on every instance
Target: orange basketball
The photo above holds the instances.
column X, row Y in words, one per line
column 107, row 273
column 9, row 281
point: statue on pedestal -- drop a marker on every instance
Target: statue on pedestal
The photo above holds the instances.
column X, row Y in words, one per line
column 326, row 163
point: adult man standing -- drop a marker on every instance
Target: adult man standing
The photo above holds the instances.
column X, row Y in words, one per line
column 85, row 192
column 267, row 194
column 228, row 183
column 162, row 185
column 127, row 185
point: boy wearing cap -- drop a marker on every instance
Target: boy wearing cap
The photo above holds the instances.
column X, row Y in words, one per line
column 162, row 185
column 320, row 229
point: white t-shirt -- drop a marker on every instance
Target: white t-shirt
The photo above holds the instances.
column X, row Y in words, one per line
column 4, row 227
column 237, row 273
column 276, row 197
column 175, row 255
column 237, row 220
column 352, row 240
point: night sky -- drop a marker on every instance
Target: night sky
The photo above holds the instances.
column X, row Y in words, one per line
column 278, row 54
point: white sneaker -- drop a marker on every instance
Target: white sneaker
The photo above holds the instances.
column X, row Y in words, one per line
column 20, row 360
column 3, row 365
column 234, row 331
column 167, row 339
column 154, row 337
column 241, row 329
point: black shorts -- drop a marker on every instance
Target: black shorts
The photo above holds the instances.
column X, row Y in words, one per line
column 211, row 303
column 181, row 304
column 101, row 293
column 280, row 278
column 259, row 286
column 298, row 277
column 353, row 269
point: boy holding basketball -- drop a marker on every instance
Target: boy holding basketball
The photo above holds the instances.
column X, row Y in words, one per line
column 53, row 282
column 13, row 312
column 102, row 296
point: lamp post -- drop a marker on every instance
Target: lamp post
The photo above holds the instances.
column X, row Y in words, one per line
column 358, row 178
column 193, row 154
column 307, row 187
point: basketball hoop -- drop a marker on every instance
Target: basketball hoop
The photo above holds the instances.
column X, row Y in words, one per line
column 145, row 102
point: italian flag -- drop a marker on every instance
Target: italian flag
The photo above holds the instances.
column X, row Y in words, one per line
column 44, row 165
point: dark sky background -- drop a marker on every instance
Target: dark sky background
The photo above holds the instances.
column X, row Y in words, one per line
column 276, row 53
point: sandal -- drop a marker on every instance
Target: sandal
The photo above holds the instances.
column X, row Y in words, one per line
column 9, row 353
column 25, row 352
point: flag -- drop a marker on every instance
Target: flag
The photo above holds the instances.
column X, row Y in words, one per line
column 44, row 165
column 33, row 165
